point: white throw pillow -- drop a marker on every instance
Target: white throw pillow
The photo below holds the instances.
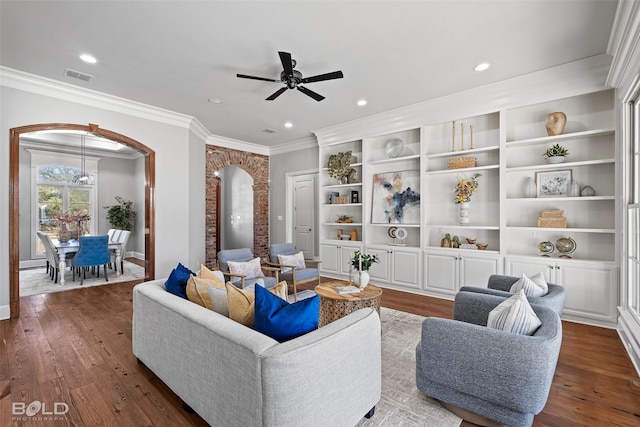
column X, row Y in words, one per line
column 249, row 269
column 219, row 300
column 536, row 286
column 514, row 315
column 297, row 260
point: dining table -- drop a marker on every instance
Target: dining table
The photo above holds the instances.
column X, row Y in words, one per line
column 64, row 248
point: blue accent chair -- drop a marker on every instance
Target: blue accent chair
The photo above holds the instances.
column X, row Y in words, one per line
column 293, row 276
column 93, row 252
column 487, row 376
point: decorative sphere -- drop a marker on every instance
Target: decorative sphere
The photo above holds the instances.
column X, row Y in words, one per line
column 545, row 247
column 566, row 245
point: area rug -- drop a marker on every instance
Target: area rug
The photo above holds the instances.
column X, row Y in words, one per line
column 402, row 404
column 35, row 281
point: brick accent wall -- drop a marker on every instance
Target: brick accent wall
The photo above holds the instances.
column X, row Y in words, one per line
column 256, row 165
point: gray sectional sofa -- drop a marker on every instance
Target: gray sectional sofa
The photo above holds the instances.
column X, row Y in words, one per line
column 232, row 375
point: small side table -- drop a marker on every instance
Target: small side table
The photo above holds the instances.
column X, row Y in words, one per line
column 333, row 305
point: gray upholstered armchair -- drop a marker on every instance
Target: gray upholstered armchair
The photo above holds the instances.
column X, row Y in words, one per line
column 294, row 276
column 499, row 285
column 244, row 255
column 487, row 375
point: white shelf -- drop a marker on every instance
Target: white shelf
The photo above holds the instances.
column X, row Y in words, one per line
column 343, row 224
column 559, row 138
column 394, row 159
column 355, row 184
column 560, row 165
column 468, row 251
column 341, row 204
column 396, row 225
column 474, row 169
column 566, row 230
column 462, row 152
column 559, row 199
column 464, row 227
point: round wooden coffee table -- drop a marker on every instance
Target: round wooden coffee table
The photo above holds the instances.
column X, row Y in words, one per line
column 333, row 305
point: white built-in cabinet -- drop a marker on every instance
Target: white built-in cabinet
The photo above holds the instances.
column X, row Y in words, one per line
column 508, row 146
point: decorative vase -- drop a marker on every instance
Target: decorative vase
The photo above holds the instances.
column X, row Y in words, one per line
column 352, row 178
column 344, row 179
column 588, row 191
column 574, row 189
column 555, row 123
column 361, row 278
column 556, row 159
column 464, row 213
column 529, row 188
column 63, row 233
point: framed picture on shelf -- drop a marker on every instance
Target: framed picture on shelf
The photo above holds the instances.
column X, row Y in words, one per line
column 553, row 183
column 396, row 198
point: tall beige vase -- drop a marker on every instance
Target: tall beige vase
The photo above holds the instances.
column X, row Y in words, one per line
column 555, row 123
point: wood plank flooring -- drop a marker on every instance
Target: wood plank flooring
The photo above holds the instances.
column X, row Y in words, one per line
column 75, row 347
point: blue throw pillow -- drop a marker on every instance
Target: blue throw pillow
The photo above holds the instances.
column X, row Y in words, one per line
column 177, row 281
column 282, row 321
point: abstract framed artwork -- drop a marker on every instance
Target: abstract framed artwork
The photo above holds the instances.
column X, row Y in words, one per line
column 553, row 183
column 396, row 198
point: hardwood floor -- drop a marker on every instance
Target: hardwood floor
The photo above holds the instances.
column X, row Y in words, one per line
column 74, row 347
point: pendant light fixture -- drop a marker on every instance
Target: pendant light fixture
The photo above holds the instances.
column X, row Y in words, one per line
column 84, row 177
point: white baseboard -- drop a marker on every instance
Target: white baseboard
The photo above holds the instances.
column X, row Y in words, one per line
column 5, row 313
column 629, row 331
column 133, row 254
column 31, row 263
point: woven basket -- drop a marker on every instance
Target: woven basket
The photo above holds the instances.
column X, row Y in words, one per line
column 462, row 162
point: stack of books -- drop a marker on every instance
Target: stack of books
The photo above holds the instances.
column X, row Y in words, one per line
column 552, row 218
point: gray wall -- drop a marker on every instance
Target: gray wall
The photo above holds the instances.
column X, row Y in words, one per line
column 280, row 165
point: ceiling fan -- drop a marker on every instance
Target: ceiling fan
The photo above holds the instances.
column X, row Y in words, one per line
column 293, row 78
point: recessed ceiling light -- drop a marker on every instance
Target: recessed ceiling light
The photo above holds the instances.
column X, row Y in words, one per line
column 90, row 59
column 482, row 66
column 215, row 100
column 288, row 125
column 362, row 102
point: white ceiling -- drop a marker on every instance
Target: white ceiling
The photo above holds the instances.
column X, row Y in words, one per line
column 178, row 54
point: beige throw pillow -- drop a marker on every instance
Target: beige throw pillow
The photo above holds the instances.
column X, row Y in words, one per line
column 197, row 291
column 281, row 290
column 216, row 275
column 241, row 305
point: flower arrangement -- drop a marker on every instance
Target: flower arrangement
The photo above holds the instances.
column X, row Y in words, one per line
column 465, row 188
column 122, row 215
column 363, row 262
column 72, row 217
column 339, row 165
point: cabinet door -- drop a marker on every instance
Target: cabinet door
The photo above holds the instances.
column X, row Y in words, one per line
column 530, row 267
column 475, row 270
column 592, row 290
column 329, row 262
column 405, row 268
column 346, row 254
column 380, row 271
column 442, row 272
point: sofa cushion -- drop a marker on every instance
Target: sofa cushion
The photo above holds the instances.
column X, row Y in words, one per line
column 198, row 290
column 249, row 269
column 281, row 290
column 514, row 315
column 297, row 260
column 535, row 286
column 219, row 301
column 177, row 281
column 241, row 303
column 216, row 275
column 282, row 321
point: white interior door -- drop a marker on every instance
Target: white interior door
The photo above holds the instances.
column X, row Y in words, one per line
column 304, row 214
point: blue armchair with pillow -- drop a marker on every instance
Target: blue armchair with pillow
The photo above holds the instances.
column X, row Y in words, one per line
column 488, row 376
column 293, row 266
column 243, row 269
column 500, row 285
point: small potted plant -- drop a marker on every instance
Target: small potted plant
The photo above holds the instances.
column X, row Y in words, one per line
column 340, row 166
column 556, row 154
column 362, row 263
column 345, row 219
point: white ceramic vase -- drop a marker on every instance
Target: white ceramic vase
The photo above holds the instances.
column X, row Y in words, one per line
column 361, row 278
column 464, row 213
column 529, row 188
column 556, row 159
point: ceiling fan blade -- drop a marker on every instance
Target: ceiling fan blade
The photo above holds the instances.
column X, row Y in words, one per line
column 276, row 94
column 287, row 65
column 310, row 93
column 321, row 77
column 244, row 76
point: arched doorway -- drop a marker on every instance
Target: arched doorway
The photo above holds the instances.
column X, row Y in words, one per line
column 14, row 195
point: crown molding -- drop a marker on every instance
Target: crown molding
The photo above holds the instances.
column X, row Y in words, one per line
column 574, row 78
column 624, row 46
column 300, row 144
column 27, row 82
column 236, row 144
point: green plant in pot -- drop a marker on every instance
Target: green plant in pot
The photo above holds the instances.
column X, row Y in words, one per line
column 362, row 263
column 556, row 154
column 340, row 165
column 122, row 215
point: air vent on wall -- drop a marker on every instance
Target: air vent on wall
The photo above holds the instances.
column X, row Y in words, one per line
column 269, row 130
column 77, row 75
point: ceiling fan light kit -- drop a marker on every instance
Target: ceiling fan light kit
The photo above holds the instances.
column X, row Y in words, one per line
column 293, row 78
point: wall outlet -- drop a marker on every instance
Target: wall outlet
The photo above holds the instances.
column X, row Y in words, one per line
column 279, row 217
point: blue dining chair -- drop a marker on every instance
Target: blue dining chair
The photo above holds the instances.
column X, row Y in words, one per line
column 93, row 252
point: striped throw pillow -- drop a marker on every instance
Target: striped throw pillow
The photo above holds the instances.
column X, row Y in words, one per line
column 514, row 315
column 536, row 286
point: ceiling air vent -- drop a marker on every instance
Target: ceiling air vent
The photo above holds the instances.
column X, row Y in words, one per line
column 269, row 130
column 77, row 75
